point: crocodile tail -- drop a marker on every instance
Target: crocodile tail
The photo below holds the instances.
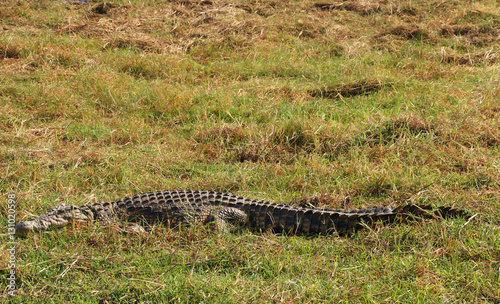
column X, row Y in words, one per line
column 350, row 222
column 427, row 211
column 450, row 212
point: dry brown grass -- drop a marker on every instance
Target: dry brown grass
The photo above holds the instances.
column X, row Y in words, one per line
column 343, row 104
column 341, row 90
column 362, row 8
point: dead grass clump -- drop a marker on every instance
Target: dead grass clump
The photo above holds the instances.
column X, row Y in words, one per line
column 370, row 186
column 285, row 92
column 90, row 159
column 203, row 49
column 95, row 240
column 260, row 8
column 275, row 146
column 103, row 8
column 492, row 112
column 138, row 41
column 271, row 155
column 408, row 32
column 481, row 181
column 71, row 28
column 247, row 156
column 191, row 4
column 263, row 151
column 141, row 71
column 223, row 135
column 405, row 10
column 490, row 138
column 309, row 29
column 362, row 8
column 472, row 34
column 293, row 136
column 485, row 20
column 222, row 31
column 432, row 71
column 362, row 87
column 475, row 134
column 8, row 50
column 64, row 56
column 322, row 201
column 118, row 32
column 375, row 186
column 415, row 125
column 453, row 159
column 387, row 43
column 392, row 39
column 470, row 59
column 479, row 28
column 398, row 129
column 458, row 30
column 280, row 145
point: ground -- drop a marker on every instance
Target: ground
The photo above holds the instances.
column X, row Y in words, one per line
column 336, row 104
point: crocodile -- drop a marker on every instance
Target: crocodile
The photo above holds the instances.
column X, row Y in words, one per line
column 228, row 211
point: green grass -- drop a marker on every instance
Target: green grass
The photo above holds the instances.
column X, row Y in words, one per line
column 224, row 96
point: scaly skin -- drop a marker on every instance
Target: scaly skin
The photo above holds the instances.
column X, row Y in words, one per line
column 186, row 207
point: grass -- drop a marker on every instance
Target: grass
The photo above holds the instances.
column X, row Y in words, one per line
column 343, row 104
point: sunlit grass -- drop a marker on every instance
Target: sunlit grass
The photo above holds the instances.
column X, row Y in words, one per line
column 101, row 103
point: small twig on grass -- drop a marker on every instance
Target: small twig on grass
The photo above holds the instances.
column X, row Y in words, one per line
column 67, row 269
column 460, row 230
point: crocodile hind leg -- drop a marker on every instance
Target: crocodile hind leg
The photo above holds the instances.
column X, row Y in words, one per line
column 229, row 219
